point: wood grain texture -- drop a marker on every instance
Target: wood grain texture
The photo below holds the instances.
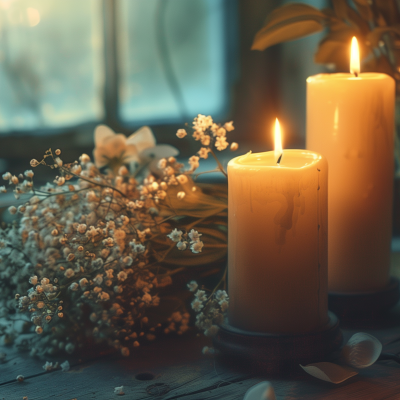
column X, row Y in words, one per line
column 178, row 365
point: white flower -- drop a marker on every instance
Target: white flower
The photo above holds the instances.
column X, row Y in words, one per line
column 197, row 305
column 229, row 126
column 118, row 289
column 83, row 282
column 224, row 305
column 65, row 366
column 220, row 132
column 194, row 235
column 69, row 273
column 103, row 296
column 212, row 331
column 201, row 295
column 205, row 140
column 84, row 159
column 197, row 247
column 122, row 275
column 182, row 179
column 7, row 176
column 192, row 285
column 81, row 228
column 39, row 330
column 194, row 163
column 146, row 298
column 59, row 181
column 175, row 235
column 221, row 143
column 12, row 210
column 98, row 280
column 48, row 366
column 74, row 287
column 234, row 146
column 203, row 152
column 181, row 133
column 181, row 195
column 33, row 280
column 221, row 295
column 162, row 163
column 45, row 281
column 117, row 148
column 182, row 245
column 3, row 189
column 119, row 390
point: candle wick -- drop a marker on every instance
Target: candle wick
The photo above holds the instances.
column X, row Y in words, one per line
column 279, row 159
column 356, row 74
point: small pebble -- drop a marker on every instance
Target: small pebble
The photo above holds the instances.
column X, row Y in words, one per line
column 20, row 378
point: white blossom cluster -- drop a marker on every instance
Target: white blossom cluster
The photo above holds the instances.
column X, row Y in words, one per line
column 211, row 309
column 183, row 240
column 210, row 135
column 84, row 247
column 84, row 255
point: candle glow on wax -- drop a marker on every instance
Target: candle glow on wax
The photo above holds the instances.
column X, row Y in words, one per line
column 350, row 119
column 278, row 142
column 354, row 57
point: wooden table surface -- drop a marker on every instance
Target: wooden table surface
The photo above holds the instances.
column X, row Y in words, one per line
column 180, row 371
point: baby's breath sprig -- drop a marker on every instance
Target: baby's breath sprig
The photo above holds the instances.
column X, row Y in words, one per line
column 85, row 248
column 211, row 136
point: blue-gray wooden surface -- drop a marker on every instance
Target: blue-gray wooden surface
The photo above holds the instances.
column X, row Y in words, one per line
column 177, row 363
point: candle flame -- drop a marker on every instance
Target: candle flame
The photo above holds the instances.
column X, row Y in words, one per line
column 354, row 57
column 278, row 141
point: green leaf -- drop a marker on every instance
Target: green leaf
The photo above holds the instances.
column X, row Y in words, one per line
column 389, row 11
column 289, row 22
column 364, row 9
column 375, row 36
column 335, row 48
column 201, row 203
column 340, row 7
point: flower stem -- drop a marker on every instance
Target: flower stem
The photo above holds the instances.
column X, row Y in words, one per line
column 221, row 168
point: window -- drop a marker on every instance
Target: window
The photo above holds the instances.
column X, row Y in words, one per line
column 51, row 63
column 170, row 63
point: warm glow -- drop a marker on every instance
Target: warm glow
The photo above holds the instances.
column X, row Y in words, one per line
column 278, row 140
column 354, row 57
column 33, row 16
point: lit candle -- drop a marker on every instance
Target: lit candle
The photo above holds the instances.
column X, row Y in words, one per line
column 277, row 242
column 350, row 120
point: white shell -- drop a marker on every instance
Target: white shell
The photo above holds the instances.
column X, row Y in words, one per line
column 362, row 350
column 261, row 391
column 329, row 372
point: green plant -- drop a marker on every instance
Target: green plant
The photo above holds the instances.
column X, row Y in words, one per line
column 375, row 23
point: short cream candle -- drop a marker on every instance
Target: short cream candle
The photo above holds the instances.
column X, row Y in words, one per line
column 350, row 120
column 277, row 243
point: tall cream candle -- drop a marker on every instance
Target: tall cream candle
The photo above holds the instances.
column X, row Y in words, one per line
column 277, row 243
column 350, row 120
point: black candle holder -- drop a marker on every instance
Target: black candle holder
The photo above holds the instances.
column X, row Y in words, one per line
column 277, row 353
column 358, row 307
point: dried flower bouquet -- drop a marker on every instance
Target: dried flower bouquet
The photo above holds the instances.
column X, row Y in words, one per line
column 91, row 256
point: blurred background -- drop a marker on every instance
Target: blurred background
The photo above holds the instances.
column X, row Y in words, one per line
column 67, row 66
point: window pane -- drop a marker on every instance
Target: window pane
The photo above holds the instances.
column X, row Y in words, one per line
column 193, row 34
column 51, row 63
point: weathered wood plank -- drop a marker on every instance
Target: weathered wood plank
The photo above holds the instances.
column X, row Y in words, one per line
column 177, row 364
